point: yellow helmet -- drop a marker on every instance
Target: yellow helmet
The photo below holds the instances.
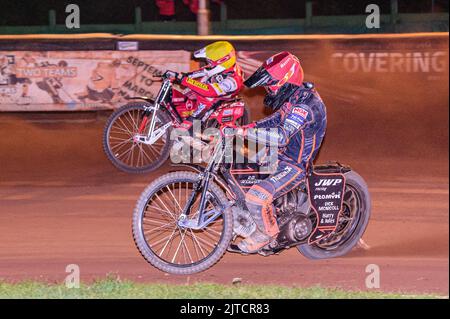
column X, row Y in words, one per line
column 220, row 55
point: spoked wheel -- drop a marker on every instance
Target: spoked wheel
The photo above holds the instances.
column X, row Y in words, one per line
column 167, row 245
column 121, row 146
column 353, row 220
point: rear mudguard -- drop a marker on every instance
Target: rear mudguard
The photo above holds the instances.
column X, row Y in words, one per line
column 331, row 168
column 229, row 112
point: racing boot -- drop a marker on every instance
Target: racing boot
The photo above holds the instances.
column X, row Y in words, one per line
column 254, row 242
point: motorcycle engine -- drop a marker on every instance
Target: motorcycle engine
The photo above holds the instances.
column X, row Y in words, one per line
column 293, row 220
column 299, row 228
column 243, row 224
column 292, row 216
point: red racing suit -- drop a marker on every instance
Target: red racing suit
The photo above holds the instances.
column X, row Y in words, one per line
column 210, row 89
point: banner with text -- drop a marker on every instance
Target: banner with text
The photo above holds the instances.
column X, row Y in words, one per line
column 382, row 69
column 354, row 70
column 81, row 80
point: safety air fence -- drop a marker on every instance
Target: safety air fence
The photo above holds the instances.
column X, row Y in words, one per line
column 102, row 71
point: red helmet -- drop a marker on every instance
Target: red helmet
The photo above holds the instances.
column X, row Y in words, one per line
column 278, row 70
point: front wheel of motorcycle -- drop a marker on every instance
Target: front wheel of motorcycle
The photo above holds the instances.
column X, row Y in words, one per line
column 163, row 242
column 352, row 223
column 120, row 146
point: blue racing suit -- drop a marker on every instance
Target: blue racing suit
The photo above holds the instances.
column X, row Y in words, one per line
column 300, row 126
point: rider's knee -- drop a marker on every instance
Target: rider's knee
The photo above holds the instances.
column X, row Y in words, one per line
column 258, row 197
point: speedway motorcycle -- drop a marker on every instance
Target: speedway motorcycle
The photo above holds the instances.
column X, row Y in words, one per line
column 185, row 221
column 136, row 138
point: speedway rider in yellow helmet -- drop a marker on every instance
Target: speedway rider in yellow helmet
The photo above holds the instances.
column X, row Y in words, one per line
column 221, row 78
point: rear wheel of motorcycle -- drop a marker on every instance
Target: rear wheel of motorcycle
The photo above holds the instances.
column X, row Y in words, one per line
column 166, row 245
column 353, row 222
column 126, row 154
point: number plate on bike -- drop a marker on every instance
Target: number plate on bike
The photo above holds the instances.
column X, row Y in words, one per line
column 326, row 192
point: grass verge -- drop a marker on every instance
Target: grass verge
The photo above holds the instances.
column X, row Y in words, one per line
column 111, row 288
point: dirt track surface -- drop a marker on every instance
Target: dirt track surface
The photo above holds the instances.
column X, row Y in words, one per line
column 61, row 203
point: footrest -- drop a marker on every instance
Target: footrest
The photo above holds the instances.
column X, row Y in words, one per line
column 235, row 249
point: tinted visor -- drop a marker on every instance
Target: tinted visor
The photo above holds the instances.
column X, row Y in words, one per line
column 260, row 78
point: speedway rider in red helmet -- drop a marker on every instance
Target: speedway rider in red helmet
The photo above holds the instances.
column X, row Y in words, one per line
column 220, row 78
column 300, row 122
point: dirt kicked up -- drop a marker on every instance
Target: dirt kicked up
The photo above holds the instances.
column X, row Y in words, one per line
column 62, row 202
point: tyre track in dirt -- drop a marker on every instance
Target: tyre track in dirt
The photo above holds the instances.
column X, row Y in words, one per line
column 61, row 203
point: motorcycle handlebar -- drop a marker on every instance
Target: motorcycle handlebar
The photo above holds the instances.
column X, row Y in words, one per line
column 164, row 76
